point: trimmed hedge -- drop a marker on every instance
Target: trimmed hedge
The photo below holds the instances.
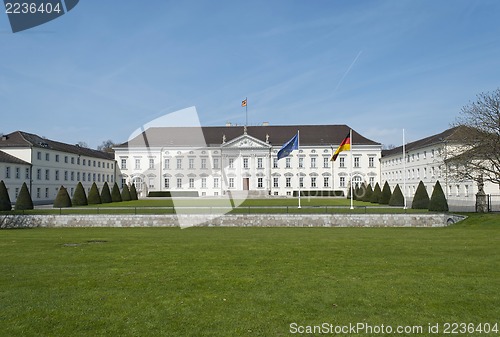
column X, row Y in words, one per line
column 125, row 193
column 62, row 198
column 79, row 197
column 106, row 194
column 421, row 198
column 318, row 193
column 5, row 204
column 24, row 199
column 172, row 194
column 386, row 194
column 397, row 198
column 368, row 193
column 438, row 201
column 133, row 192
column 376, row 194
column 94, row 197
column 115, row 193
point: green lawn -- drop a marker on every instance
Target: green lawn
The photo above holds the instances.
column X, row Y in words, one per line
column 246, row 281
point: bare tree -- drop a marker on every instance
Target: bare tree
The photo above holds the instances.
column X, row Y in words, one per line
column 477, row 153
column 107, row 146
column 82, row 144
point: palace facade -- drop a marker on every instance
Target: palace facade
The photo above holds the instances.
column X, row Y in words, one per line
column 212, row 161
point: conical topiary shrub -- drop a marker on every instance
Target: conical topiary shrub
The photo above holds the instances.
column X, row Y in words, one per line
column 125, row 193
column 24, row 199
column 94, row 197
column 62, row 198
column 79, row 197
column 106, row 194
column 133, row 192
column 115, row 194
column 421, row 198
column 386, row 194
column 376, row 194
column 5, row 204
column 397, row 198
column 360, row 192
column 368, row 193
column 438, row 201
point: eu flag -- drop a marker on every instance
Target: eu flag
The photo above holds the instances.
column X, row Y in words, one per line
column 292, row 144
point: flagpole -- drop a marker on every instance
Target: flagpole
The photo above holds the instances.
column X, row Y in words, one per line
column 404, row 170
column 246, row 111
column 352, row 160
column 298, row 174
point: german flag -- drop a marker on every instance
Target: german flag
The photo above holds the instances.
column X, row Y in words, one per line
column 344, row 146
column 244, row 103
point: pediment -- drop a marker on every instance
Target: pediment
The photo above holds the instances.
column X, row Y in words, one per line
column 246, row 142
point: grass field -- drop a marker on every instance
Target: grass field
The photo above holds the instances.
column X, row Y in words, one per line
column 246, row 281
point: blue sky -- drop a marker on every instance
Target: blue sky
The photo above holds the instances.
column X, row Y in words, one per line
column 108, row 67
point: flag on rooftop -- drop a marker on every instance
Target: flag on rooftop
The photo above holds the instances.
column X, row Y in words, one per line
column 244, row 103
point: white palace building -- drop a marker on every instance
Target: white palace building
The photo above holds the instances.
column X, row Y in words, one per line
column 212, row 161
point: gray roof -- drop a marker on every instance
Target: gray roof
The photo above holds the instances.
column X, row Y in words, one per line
column 7, row 158
column 20, row 139
column 447, row 135
column 314, row 135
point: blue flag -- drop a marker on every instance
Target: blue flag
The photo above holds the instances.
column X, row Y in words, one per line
column 292, row 144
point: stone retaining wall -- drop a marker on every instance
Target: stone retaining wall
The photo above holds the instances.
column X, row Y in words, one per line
column 232, row 220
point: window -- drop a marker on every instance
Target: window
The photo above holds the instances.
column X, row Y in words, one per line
column 99, row 164
column 216, row 163
column 73, row 176
column 371, row 162
column 326, row 162
column 466, row 187
column 66, row 175
column 72, row 160
column 57, row 158
column 301, row 182
column 216, row 182
column 287, row 162
column 260, row 163
column 432, row 153
column 276, row 182
column 124, row 182
column 46, row 192
column 356, row 161
column 38, row 193
column 137, row 164
column 301, row 162
column 245, row 163
column 231, row 182
column 83, row 176
column 203, row 182
column 151, row 164
column 313, row 162
column 39, row 174
column 425, row 154
column 260, row 182
column 167, row 164
column 39, row 155
column 27, row 173
column 18, row 173
column 88, row 176
column 372, row 181
column 66, row 159
column 93, row 163
column 191, row 163
column 288, row 182
column 342, row 161
column 99, row 177
column 167, row 183
column 179, row 182
column 47, row 157
column 7, row 172
column 342, row 181
column 179, row 163
column 151, row 183
column 47, row 174
column 93, row 176
column 124, row 164
column 325, row 181
column 275, row 162
column 313, row 181
column 231, row 163
column 203, row 163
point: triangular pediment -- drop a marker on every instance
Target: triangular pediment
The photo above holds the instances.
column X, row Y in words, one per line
column 246, row 142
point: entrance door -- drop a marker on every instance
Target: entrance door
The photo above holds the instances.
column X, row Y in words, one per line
column 246, row 183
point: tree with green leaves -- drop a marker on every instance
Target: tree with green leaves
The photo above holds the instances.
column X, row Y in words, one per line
column 385, row 196
column 421, row 197
column 133, row 192
column 397, row 198
column 438, row 201
column 368, row 193
column 62, row 198
column 376, row 194
column 115, row 193
column 94, row 196
column 79, row 197
column 24, row 200
column 106, row 194
column 5, row 204
column 125, row 193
